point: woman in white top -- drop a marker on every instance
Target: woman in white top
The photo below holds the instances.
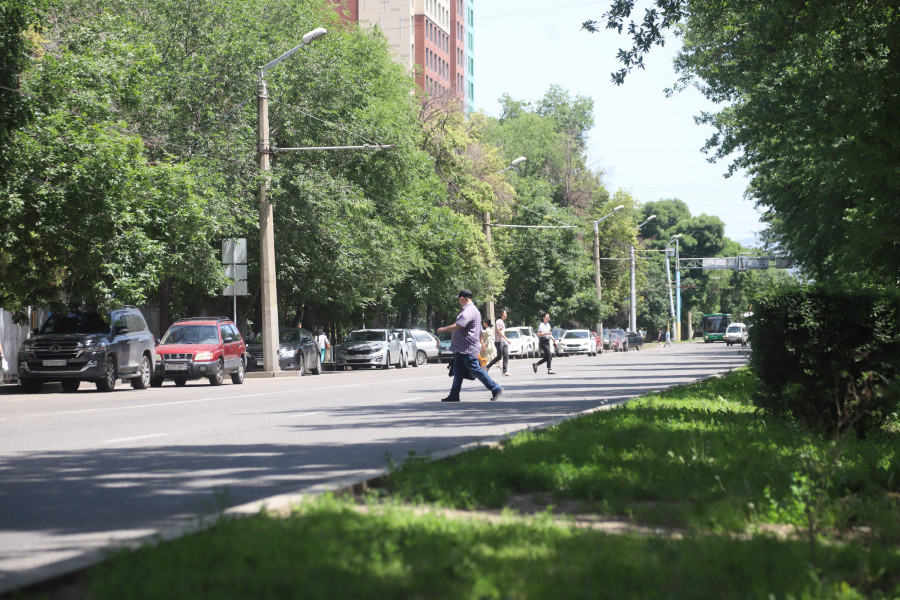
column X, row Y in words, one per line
column 488, row 351
column 545, row 334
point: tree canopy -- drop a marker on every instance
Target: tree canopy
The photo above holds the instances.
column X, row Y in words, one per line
column 809, row 96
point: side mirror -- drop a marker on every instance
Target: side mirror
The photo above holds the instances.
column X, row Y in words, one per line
column 122, row 330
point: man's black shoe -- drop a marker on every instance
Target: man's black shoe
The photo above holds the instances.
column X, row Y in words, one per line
column 497, row 394
column 449, row 399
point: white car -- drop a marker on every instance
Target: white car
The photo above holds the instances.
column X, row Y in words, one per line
column 427, row 345
column 737, row 334
column 578, row 341
column 529, row 341
column 516, row 347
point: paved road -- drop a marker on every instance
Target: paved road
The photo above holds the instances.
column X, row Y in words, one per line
column 85, row 469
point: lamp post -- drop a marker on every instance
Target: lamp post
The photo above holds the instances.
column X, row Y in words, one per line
column 266, row 228
column 597, row 263
column 632, row 323
column 489, row 306
column 677, row 312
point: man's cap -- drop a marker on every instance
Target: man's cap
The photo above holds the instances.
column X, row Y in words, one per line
column 464, row 294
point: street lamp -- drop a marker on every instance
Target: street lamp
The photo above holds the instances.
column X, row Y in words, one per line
column 266, row 228
column 489, row 306
column 677, row 312
column 597, row 263
column 632, row 322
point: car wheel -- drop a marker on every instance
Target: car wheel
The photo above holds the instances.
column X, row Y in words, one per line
column 238, row 377
column 70, row 385
column 387, row 361
column 219, row 377
column 301, row 368
column 108, row 382
column 181, row 382
column 421, row 358
column 156, row 382
column 317, row 370
column 142, row 381
column 403, row 362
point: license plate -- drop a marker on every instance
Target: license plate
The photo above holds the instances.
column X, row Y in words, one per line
column 259, row 362
column 176, row 367
column 55, row 362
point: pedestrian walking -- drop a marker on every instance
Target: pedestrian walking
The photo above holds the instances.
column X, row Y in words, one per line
column 660, row 338
column 501, row 343
column 465, row 342
column 545, row 334
column 324, row 344
column 488, row 351
column 668, row 338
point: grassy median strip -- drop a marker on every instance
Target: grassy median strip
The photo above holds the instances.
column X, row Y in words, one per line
column 708, row 499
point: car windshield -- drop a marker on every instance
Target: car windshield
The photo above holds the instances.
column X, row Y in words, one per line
column 512, row 334
column 75, row 323
column 366, row 335
column 734, row 329
column 192, row 334
column 287, row 336
column 576, row 335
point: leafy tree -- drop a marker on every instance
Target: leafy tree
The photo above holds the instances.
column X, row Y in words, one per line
column 89, row 219
column 809, row 100
column 20, row 24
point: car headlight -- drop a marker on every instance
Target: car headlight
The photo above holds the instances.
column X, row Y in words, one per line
column 159, row 358
column 203, row 356
column 26, row 347
column 286, row 351
column 94, row 346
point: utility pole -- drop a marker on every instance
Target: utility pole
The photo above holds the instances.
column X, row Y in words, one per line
column 597, row 264
column 269, row 327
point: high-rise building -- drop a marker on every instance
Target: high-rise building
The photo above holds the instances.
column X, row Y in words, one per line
column 435, row 35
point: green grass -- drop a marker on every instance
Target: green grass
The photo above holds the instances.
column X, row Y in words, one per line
column 696, row 464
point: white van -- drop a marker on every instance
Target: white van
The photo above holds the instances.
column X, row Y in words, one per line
column 737, row 334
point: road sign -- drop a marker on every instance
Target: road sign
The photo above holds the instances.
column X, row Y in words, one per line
column 238, row 289
column 236, row 271
column 234, row 251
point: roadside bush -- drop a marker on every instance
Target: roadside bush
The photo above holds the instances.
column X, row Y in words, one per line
column 828, row 356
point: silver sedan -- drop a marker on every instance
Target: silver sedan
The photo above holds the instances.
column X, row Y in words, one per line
column 369, row 348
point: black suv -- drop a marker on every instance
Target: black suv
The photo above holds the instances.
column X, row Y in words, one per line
column 76, row 346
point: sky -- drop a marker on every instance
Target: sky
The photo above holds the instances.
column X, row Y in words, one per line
column 644, row 142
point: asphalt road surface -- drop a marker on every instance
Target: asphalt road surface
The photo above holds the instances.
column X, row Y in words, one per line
column 81, row 471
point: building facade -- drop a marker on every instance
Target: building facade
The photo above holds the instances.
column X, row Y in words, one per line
column 434, row 37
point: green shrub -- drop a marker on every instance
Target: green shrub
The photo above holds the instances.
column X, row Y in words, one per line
column 828, row 356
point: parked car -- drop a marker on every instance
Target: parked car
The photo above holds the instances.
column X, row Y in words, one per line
column 444, row 352
column 635, row 341
column 618, row 343
column 737, row 333
column 623, row 340
column 408, row 346
column 558, row 332
column 297, row 351
column 607, row 345
column 529, row 341
column 578, row 341
column 427, row 346
column 369, row 348
column 76, row 346
column 516, row 344
column 200, row 347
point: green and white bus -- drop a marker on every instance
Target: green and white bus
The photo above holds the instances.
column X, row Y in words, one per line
column 714, row 326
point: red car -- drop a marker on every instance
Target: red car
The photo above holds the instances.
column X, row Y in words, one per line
column 618, row 343
column 199, row 347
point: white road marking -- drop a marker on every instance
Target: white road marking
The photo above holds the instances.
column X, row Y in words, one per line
column 133, row 439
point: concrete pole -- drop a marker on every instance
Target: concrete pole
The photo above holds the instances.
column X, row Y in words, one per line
column 678, row 292
column 632, row 322
column 267, row 240
column 489, row 307
column 597, row 274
